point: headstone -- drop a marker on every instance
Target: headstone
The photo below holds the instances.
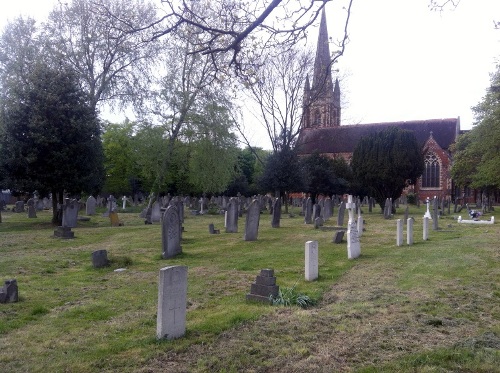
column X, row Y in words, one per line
column 409, row 231
column 252, row 221
column 124, row 202
column 406, row 215
column 212, row 230
column 232, row 216
column 70, row 213
column 371, row 203
column 316, row 211
column 311, row 260
column 327, row 209
column 338, row 236
column 19, row 207
column 90, row 206
column 308, row 211
column 64, row 232
column 100, row 259
column 353, row 245
column 318, row 222
column 435, row 216
column 360, row 225
column 399, row 232
column 264, row 287
column 275, row 222
column 425, row 232
column 39, row 205
column 156, row 212
column 114, row 220
column 172, row 302
column 387, row 208
column 171, row 233
column 9, row 293
column 340, row 216
column 31, row 208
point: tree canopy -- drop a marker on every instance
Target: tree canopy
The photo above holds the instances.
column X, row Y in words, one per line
column 386, row 161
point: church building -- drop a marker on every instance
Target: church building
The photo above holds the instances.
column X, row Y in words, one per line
column 321, row 130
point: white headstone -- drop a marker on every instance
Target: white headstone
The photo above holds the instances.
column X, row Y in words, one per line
column 353, row 245
column 399, row 233
column 425, row 232
column 360, row 226
column 172, row 302
column 409, row 231
column 311, row 260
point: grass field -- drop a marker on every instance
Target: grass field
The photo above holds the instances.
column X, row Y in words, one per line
column 430, row 307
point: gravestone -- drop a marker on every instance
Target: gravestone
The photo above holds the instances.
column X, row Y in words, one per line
column 371, row 203
column 114, row 220
column 47, row 203
column 31, row 208
column 318, row 222
column 264, row 288
column 316, row 213
column 232, row 216
column 171, row 233
column 327, row 209
column 427, row 212
column 19, row 206
column 70, row 213
column 275, row 222
column 9, row 293
column 387, row 208
column 399, row 232
column 90, row 206
column 64, row 232
column 435, row 216
column 409, row 231
column 338, row 236
column 360, row 225
column 172, row 302
column 39, row 205
column 340, row 216
column 252, row 221
column 308, row 211
column 212, row 230
column 353, row 245
column 100, row 259
column 406, row 215
column 156, row 212
column 311, row 260
column 425, row 231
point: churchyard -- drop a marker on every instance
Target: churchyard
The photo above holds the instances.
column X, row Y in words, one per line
column 433, row 306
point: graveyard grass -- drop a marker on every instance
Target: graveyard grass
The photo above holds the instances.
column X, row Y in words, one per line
column 431, row 307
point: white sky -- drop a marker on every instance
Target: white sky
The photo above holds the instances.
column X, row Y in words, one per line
column 403, row 61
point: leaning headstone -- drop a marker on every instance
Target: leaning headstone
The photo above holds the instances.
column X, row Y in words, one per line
column 9, row 293
column 399, row 232
column 425, row 232
column 340, row 216
column 275, row 222
column 156, row 212
column 232, row 216
column 90, row 206
column 264, row 288
column 338, row 236
column 311, row 260
column 171, row 233
column 252, row 221
column 353, row 245
column 100, row 259
column 409, row 232
column 172, row 302
column 31, row 208
column 308, row 211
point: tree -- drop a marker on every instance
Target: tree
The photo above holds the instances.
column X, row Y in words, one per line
column 110, row 61
column 325, row 175
column 476, row 155
column 385, row 161
column 51, row 139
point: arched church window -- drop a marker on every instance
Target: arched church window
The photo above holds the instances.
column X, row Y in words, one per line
column 431, row 175
column 317, row 118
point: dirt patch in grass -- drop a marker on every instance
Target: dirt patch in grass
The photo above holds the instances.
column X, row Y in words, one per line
column 363, row 320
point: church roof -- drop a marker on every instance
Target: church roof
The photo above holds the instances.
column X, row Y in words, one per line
column 343, row 139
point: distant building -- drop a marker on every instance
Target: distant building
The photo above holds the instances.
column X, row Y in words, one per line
column 321, row 130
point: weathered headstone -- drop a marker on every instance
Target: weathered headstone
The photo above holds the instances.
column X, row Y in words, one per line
column 399, row 232
column 338, row 236
column 90, row 207
column 353, row 245
column 9, row 293
column 100, row 259
column 316, row 211
column 435, row 216
column 318, row 222
column 264, row 287
column 70, row 213
column 172, row 302
column 275, row 222
column 212, row 230
column 340, row 216
column 19, row 206
column 387, row 208
column 156, row 212
column 425, row 232
column 360, row 225
column 308, row 211
column 252, row 221
column 31, row 208
column 114, row 219
column 327, row 209
column 232, row 216
column 171, row 233
column 409, row 231
column 311, row 260
column 406, row 215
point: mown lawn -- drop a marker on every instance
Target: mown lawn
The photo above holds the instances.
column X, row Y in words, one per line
column 431, row 307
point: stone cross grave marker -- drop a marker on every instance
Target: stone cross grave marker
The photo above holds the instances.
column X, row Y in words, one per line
column 252, row 221
column 172, row 302
column 353, row 245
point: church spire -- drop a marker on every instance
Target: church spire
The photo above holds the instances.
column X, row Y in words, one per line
column 322, row 78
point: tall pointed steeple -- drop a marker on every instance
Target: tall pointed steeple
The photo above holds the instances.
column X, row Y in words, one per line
column 322, row 78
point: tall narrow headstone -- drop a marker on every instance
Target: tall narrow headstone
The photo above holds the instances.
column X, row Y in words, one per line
column 31, row 208
column 172, row 302
column 409, row 231
column 252, row 222
column 399, row 232
column 90, row 206
column 308, row 211
column 340, row 216
column 156, row 212
column 275, row 222
column 171, row 233
column 360, row 225
column 435, row 216
column 70, row 213
column 406, row 215
column 353, row 245
column 425, row 232
column 327, row 209
column 232, row 216
column 311, row 260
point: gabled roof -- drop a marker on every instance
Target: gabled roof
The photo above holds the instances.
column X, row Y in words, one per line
column 343, row 139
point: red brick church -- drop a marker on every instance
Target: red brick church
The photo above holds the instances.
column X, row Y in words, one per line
column 321, row 130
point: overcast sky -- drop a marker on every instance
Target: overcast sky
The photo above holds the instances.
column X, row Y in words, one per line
column 403, row 61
